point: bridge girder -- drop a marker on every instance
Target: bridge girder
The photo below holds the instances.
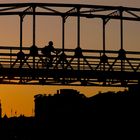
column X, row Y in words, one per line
column 55, row 9
column 69, row 66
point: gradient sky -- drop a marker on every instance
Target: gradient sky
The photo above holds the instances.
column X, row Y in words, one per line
column 20, row 99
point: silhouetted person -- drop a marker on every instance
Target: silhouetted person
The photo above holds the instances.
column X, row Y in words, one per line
column 47, row 50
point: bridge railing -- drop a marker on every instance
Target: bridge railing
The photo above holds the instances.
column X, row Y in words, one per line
column 95, row 60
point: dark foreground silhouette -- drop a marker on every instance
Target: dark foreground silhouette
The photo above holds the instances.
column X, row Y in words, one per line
column 71, row 115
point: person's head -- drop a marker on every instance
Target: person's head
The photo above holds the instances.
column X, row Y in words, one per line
column 50, row 43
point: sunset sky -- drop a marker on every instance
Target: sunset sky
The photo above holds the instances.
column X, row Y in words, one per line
column 20, row 99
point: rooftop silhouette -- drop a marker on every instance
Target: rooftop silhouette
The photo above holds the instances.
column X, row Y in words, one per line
column 74, row 114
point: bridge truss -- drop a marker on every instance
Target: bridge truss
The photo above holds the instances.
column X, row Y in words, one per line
column 27, row 65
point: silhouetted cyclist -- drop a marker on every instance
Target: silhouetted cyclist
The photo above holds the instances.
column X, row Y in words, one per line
column 47, row 50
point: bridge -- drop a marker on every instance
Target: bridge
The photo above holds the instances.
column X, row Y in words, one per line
column 75, row 67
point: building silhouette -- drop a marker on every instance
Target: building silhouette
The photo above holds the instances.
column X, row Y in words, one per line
column 75, row 115
column 67, row 103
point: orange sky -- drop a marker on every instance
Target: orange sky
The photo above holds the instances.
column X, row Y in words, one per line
column 20, row 98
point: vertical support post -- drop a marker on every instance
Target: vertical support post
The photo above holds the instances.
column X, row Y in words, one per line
column 104, row 44
column 78, row 27
column 63, row 34
column 21, row 32
column 63, row 43
column 104, row 57
column 121, row 35
column 63, row 39
column 21, row 45
column 78, row 34
column 121, row 24
column 34, row 33
column 34, row 24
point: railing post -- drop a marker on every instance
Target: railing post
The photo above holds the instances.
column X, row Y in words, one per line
column 10, row 57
